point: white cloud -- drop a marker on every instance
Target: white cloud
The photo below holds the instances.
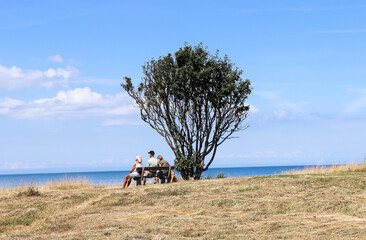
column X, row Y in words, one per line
column 6, row 104
column 281, row 114
column 281, row 108
column 75, row 62
column 294, row 154
column 20, row 165
column 358, row 104
column 13, row 78
column 254, row 109
column 72, row 104
column 12, row 165
column 56, row 58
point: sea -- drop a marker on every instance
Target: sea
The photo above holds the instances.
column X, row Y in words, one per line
column 117, row 177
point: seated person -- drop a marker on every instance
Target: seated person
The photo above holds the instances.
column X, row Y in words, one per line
column 133, row 173
column 152, row 162
column 163, row 173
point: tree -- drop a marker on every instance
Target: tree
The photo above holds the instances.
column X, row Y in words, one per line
column 195, row 100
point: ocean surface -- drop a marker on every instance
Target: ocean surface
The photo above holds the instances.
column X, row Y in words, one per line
column 117, row 177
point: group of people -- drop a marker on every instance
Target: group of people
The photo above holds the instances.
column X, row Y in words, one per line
column 152, row 162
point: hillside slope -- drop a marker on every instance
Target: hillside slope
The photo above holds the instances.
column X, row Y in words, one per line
column 318, row 206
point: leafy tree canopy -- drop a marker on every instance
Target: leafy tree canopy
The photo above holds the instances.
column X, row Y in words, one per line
column 195, row 100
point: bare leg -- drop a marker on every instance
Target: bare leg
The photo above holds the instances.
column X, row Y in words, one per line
column 129, row 182
column 126, row 179
column 144, row 180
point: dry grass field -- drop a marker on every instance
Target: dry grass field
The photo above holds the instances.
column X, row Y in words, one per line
column 293, row 206
column 352, row 167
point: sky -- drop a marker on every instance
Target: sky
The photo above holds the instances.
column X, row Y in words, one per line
column 62, row 63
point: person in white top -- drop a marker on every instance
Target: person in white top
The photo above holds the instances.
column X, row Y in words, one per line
column 133, row 173
column 152, row 162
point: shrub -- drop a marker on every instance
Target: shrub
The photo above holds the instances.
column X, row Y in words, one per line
column 220, row 175
column 30, row 192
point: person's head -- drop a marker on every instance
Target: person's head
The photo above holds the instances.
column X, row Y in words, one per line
column 151, row 153
column 160, row 157
column 138, row 158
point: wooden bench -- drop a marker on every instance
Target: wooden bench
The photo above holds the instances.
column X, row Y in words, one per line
column 141, row 170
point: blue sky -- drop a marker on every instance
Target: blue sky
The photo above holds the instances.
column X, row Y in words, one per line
column 62, row 62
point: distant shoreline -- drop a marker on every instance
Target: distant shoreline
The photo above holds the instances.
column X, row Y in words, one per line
column 116, row 177
column 123, row 170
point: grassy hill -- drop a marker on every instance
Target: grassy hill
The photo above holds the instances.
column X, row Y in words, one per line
column 294, row 206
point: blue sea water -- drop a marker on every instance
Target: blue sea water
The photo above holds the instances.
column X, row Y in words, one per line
column 116, row 177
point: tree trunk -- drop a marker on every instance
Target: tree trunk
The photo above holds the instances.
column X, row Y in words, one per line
column 197, row 175
column 184, row 175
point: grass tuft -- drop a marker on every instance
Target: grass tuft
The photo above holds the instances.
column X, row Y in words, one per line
column 25, row 219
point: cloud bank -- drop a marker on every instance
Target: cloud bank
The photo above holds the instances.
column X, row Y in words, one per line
column 15, row 78
column 72, row 104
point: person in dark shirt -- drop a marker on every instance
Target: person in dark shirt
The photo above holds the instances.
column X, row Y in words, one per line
column 162, row 174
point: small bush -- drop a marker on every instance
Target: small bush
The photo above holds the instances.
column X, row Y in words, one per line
column 208, row 177
column 220, row 175
column 30, row 192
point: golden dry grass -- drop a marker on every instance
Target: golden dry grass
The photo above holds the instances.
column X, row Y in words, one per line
column 61, row 184
column 352, row 167
column 67, row 183
column 317, row 206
